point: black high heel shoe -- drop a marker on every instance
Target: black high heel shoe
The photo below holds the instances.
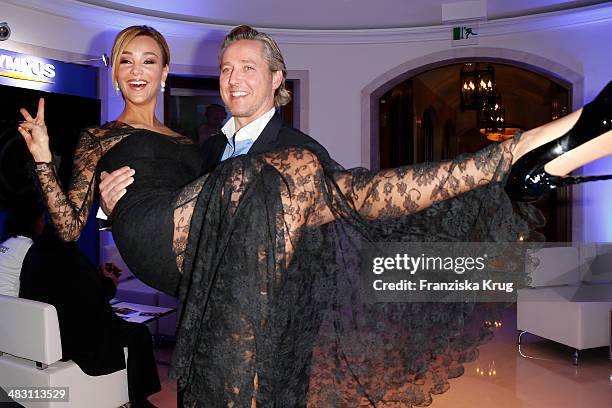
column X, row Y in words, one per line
column 528, row 180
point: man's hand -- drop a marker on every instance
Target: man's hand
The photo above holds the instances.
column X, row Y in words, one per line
column 110, row 270
column 113, row 187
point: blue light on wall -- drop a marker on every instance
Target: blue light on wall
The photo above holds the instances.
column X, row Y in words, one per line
column 597, row 197
column 26, row 71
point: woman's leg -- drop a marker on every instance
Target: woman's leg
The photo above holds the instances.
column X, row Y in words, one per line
column 183, row 209
column 595, row 149
column 396, row 192
column 405, row 190
column 583, row 136
column 310, row 198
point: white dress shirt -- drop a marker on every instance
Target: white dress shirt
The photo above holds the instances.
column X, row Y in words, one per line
column 12, row 252
column 240, row 142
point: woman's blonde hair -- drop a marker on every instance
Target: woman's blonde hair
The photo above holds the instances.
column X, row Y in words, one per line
column 271, row 53
column 128, row 34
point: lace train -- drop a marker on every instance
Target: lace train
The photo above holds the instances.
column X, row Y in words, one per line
column 270, row 303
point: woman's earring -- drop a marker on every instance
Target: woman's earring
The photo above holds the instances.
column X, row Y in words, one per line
column 117, row 89
column 162, row 86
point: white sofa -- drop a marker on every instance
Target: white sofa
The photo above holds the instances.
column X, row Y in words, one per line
column 30, row 353
column 567, row 302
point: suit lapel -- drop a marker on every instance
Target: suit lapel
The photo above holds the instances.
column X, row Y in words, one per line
column 218, row 146
column 268, row 139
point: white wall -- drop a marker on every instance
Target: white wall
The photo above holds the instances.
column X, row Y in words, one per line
column 339, row 70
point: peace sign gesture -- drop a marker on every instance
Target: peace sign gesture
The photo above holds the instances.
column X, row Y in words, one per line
column 34, row 132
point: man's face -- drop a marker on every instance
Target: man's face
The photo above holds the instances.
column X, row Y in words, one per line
column 246, row 82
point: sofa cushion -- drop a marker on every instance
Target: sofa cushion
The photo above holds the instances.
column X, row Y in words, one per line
column 557, row 266
column 30, row 330
column 597, row 260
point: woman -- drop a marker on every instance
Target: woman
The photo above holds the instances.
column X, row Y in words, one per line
column 268, row 313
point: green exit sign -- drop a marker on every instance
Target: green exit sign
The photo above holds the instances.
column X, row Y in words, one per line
column 463, row 32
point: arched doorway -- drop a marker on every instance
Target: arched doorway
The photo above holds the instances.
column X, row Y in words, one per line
column 439, row 128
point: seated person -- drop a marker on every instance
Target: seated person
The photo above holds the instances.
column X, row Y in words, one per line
column 93, row 336
column 21, row 228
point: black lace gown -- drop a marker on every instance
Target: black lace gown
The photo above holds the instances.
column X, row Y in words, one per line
column 270, row 307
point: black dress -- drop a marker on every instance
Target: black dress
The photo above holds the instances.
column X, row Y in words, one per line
column 143, row 223
column 270, row 305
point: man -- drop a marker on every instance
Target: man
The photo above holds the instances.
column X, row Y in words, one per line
column 93, row 336
column 252, row 85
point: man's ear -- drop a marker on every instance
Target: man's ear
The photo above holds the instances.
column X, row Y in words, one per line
column 277, row 79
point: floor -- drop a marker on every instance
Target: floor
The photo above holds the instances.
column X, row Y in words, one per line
column 166, row 398
column 501, row 377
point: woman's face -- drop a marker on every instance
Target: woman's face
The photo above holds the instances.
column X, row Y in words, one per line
column 141, row 71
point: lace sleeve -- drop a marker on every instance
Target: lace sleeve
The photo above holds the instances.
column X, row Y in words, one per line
column 410, row 189
column 69, row 210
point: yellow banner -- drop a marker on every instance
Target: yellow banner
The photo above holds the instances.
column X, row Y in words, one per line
column 24, row 77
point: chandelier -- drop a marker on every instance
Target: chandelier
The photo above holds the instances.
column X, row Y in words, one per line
column 476, row 85
column 478, row 92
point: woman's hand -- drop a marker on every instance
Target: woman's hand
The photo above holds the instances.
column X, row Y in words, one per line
column 34, row 132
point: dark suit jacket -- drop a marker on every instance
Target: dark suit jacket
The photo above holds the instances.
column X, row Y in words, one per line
column 57, row 273
column 276, row 135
